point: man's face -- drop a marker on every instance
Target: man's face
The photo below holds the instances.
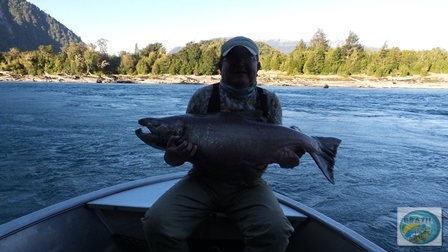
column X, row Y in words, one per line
column 239, row 68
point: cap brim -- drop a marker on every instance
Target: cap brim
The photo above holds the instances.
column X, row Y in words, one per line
column 250, row 50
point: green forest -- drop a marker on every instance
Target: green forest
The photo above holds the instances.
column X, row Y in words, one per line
column 316, row 57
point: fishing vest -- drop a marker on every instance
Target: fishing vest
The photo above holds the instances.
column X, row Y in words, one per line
column 214, row 104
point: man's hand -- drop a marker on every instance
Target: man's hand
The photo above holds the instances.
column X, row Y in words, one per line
column 288, row 158
column 177, row 153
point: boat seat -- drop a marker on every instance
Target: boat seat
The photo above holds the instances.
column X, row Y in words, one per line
column 116, row 208
column 141, row 198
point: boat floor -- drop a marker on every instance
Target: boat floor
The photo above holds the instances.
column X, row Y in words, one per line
column 119, row 210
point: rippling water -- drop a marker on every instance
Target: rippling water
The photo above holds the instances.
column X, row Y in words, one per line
column 62, row 140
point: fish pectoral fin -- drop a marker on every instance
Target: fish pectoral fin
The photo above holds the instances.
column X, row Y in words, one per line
column 299, row 151
column 289, row 157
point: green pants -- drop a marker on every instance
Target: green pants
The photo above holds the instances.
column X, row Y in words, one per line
column 254, row 209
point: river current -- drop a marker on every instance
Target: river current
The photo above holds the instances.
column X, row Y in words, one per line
column 63, row 140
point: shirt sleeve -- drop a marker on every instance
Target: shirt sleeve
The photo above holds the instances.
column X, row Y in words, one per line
column 199, row 101
column 275, row 108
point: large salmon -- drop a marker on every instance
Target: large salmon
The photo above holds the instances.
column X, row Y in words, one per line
column 227, row 140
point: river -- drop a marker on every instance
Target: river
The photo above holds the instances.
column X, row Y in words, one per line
column 60, row 140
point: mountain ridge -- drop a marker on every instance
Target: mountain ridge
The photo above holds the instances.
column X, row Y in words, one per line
column 24, row 26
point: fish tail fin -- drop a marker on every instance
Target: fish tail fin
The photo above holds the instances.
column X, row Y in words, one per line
column 325, row 158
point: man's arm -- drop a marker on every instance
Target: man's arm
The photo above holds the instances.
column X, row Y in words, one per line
column 177, row 153
column 286, row 157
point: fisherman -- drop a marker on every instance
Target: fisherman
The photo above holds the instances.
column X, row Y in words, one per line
column 244, row 197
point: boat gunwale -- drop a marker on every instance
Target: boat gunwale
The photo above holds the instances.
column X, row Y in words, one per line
column 338, row 228
column 14, row 226
column 28, row 220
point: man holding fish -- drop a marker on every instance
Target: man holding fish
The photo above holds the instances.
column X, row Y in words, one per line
column 237, row 191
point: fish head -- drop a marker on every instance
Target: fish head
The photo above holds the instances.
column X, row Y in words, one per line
column 160, row 130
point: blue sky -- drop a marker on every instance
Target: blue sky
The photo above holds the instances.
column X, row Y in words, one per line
column 407, row 24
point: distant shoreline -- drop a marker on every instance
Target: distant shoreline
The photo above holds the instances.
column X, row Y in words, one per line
column 264, row 79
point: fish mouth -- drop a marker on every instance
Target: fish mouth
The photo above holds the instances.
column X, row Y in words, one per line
column 152, row 137
column 149, row 126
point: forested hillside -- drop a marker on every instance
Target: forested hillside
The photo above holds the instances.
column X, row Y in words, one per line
column 314, row 58
column 34, row 43
column 25, row 27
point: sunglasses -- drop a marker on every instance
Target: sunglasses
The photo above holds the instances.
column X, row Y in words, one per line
column 232, row 59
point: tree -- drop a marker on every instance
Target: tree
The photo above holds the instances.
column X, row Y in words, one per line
column 29, row 60
column 186, row 59
column 295, row 61
column 377, row 62
column 352, row 44
column 175, row 65
column 392, row 61
column 354, row 63
column 202, row 58
column 102, row 45
column 208, row 63
column 161, row 66
column 147, row 56
column 74, row 63
column 333, row 61
column 437, row 58
column 319, row 41
column 2, row 60
column 319, row 45
column 270, row 58
column 277, row 58
column 156, row 48
column 90, row 57
column 143, row 66
column 127, row 63
column 45, row 59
